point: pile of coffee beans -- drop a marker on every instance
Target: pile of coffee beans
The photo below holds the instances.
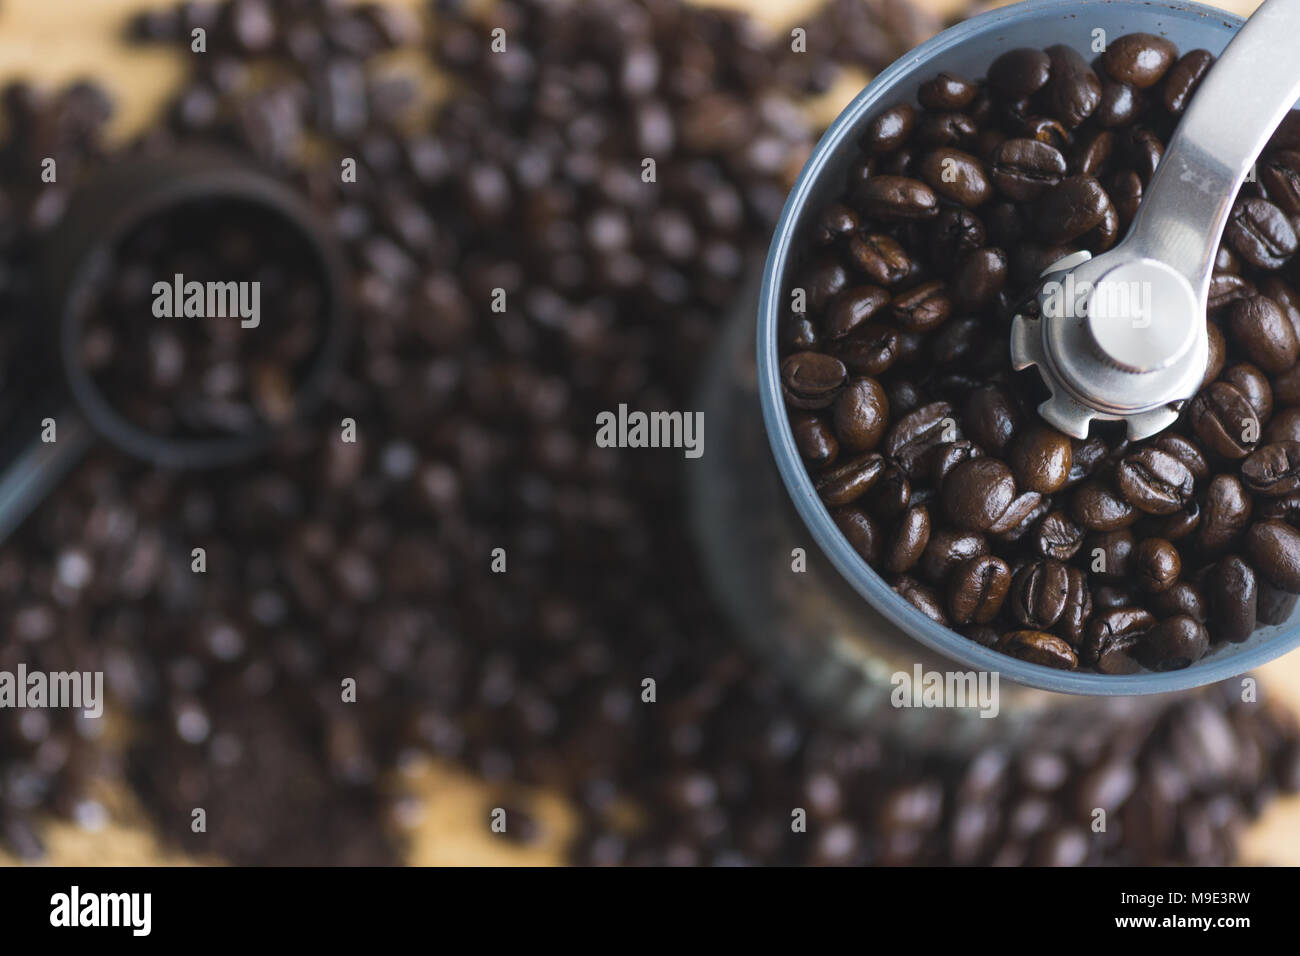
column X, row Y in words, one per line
column 1100, row 554
column 207, row 321
column 370, row 560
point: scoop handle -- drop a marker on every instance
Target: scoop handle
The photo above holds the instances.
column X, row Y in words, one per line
column 38, row 466
column 1233, row 113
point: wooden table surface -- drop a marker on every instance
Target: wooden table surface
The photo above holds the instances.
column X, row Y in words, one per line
column 443, row 810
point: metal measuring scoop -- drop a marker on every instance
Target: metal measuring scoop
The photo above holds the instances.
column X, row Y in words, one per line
column 1122, row 336
column 75, row 259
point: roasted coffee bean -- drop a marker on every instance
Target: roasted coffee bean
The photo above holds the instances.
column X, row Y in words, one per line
column 862, row 531
column 852, row 309
column 1040, row 458
column 849, row 480
column 898, row 199
column 1175, row 527
column 991, row 418
column 1273, row 548
column 1075, row 207
column 1232, row 596
column 824, row 281
column 1260, row 233
column 946, row 129
column 1173, row 644
column 1186, row 451
column 861, row 414
column 1020, row 72
column 977, row 492
column 1154, row 481
column 947, row 92
column 835, row 222
column 880, row 258
column 1252, row 383
column 1283, row 427
column 1157, row 564
column 799, row 334
column 979, row 278
column 890, row 496
column 1110, row 555
column 1285, row 297
column 1225, row 289
column 1038, row 647
column 923, row 308
column 1286, row 387
column 1057, row 537
column 1111, row 639
column 1074, row 618
column 1139, row 59
column 1263, row 333
column 1145, row 150
column 812, row 379
column 955, row 233
column 1095, row 155
column 1279, row 174
column 1024, row 169
column 890, row 129
column 1273, row 470
column 1183, row 78
column 1107, row 597
column 1182, row 598
column 1097, row 508
column 922, row 597
column 814, row 438
column 1120, row 105
column 1074, row 90
column 956, row 176
column 910, row 540
column 1224, row 420
column 1039, row 592
column 918, row 430
column 871, row 350
column 1226, row 511
column 946, row 549
column 977, row 589
column 943, row 457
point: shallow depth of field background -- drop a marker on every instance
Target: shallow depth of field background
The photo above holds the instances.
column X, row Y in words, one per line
column 444, row 809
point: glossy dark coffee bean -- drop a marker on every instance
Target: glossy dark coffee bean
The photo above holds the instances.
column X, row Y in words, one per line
column 1183, row 78
column 812, row 379
column 991, row 418
column 1039, row 592
column 898, row 199
column 1120, row 105
column 1156, row 565
column 890, row 496
column 1074, row 90
column 1253, row 383
column 1111, row 639
column 956, row 176
column 1038, row 647
column 1286, row 387
column 1279, row 174
column 1273, row 470
column 823, row 281
column 1224, row 421
column 1225, row 513
column 1173, row 644
column 1284, row 296
column 1096, row 507
column 836, row 221
column 1186, row 451
column 1020, row 72
column 977, row 492
column 861, row 414
column 1273, row 548
column 947, row 549
column 923, row 308
column 1233, row 595
column 1040, row 458
column 862, row 531
column 1263, row 333
column 1154, row 481
column 954, row 234
column 1225, row 289
column 1071, row 209
column 979, row 278
column 1125, row 189
column 946, row 129
column 947, row 91
column 1283, row 427
column 814, row 438
column 890, row 129
column 849, row 480
column 1110, row 556
column 880, row 258
column 1139, row 59
column 1260, row 233
column 1093, row 158
column 1024, row 169
column 1183, row 598
column 922, row 597
column 871, row 350
column 1057, row 537
column 918, row 430
column 977, row 589
column 852, row 309
column 910, row 540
